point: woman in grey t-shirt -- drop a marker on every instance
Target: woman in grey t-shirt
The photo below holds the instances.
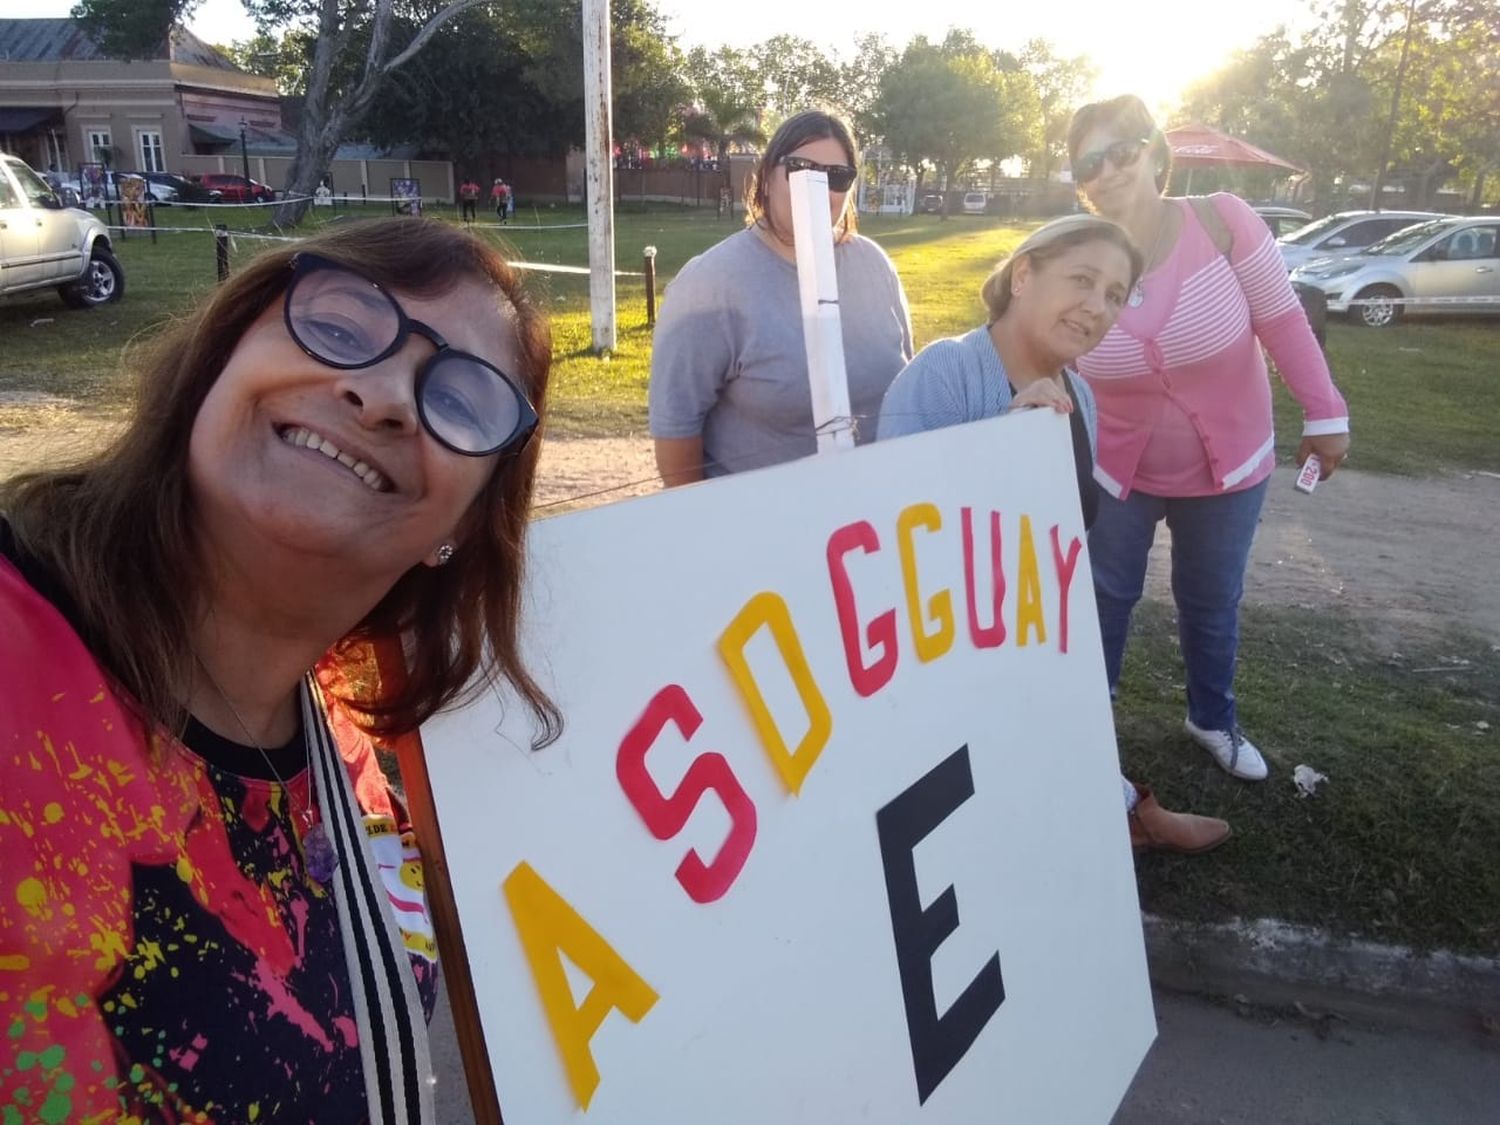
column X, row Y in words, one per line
column 729, row 384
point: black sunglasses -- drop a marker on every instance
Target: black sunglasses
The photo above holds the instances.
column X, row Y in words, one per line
column 1122, row 154
column 840, row 176
column 345, row 320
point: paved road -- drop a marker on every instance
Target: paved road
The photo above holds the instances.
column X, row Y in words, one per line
column 1214, row 1066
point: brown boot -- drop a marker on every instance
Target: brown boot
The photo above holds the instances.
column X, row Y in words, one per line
column 1155, row 828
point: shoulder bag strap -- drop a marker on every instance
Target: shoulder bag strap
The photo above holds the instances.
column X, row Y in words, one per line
column 392, row 1029
column 1083, row 459
column 1213, row 222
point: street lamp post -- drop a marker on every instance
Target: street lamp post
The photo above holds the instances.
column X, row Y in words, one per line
column 244, row 152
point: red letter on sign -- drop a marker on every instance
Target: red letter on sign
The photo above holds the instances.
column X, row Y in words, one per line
column 666, row 816
column 995, row 634
column 1064, row 565
column 881, row 632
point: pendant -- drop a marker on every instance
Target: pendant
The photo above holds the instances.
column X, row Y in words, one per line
column 319, row 854
column 1137, row 296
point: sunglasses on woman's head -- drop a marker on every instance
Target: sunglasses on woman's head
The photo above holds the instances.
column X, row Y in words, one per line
column 345, row 320
column 1122, row 154
column 840, row 176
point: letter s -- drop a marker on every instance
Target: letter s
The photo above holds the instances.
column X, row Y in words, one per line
column 666, row 816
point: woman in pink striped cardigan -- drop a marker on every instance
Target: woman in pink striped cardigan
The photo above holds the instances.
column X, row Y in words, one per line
column 1184, row 404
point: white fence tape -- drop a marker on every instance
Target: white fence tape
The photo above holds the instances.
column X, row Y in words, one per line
column 235, row 235
column 1494, row 300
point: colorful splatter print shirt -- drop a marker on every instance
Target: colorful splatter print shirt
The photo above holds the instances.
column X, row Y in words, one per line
column 163, row 955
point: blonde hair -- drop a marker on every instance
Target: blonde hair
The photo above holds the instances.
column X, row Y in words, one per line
column 1050, row 241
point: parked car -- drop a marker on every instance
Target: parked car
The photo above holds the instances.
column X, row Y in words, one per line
column 66, row 189
column 168, row 187
column 1451, row 257
column 975, row 202
column 931, row 204
column 1347, row 232
column 45, row 244
column 236, row 189
column 1281, row 220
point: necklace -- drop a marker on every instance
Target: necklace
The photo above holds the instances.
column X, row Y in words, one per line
column 1137, row 296
column 320, row 857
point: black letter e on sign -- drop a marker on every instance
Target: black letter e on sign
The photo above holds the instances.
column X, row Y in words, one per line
column 938, row 1042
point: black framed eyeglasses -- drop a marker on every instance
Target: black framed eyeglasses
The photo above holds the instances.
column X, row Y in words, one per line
column 840, row 176
column 344, row 320
column 1122, row 154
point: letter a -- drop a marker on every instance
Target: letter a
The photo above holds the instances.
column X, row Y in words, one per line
column 548, row 926
column 1029, row 596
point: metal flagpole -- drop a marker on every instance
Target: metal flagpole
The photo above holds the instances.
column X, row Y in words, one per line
column 599, row 152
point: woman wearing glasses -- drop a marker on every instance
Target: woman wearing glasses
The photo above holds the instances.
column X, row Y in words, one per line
column 1048, row 303
column 729, row 384
column 210, row 904
column 1185, row 407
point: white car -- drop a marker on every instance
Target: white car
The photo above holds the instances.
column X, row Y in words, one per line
column 1281, row 220
column 1447, row 266
column 44, row 244
column 975, row 202
column 1347, row 232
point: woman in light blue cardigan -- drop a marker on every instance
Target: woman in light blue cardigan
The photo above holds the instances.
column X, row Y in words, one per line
column 1051, row 301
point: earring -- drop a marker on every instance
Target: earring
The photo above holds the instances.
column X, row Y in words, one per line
column 443, row 554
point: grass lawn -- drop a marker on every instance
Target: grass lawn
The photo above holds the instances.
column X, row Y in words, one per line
column 1423, row 395
column 1400, row 843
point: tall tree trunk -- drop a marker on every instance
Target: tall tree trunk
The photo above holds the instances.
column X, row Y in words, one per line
column 326, row 120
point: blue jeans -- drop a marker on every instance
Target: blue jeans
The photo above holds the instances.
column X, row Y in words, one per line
column 1211, row 538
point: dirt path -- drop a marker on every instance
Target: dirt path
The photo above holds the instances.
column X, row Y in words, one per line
column 1405, row 556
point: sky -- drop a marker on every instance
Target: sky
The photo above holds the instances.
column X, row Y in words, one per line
column 1154, row 48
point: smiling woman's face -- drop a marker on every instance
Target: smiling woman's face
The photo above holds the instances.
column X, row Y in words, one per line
column 292, row 455
column 1066, row 304
column 1115, row 190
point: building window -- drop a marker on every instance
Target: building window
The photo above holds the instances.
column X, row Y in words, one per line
column 152, row 159
column 100, row 146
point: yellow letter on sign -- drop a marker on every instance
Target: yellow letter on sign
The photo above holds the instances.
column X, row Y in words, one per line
column 547, row 925
column 768, row 609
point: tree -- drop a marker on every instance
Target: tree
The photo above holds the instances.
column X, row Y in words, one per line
column 282, row 58
column 723, row 123
column 1061, row 86
column 354, row 52
column 729, row 101
column 796, row 74
column 508, row 78
column 859, row 82
column 1324, row 100
column 950, row 104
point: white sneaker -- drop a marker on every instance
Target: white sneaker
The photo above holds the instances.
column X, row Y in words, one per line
column 1235, row 753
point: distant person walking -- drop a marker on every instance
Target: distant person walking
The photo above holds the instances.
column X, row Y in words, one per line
column 468, row 198
column 500, row 197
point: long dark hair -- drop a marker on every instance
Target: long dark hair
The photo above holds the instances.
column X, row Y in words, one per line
column 796, row 131
column 117, row 528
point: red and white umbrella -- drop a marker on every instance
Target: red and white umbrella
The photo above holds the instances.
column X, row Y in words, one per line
column 1198, row 146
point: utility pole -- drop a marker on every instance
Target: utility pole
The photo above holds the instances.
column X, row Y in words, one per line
column 598, row 147
column 1390, row 125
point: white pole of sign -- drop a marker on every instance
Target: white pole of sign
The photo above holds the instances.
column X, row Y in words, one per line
column 817, row 283
column 599, row 152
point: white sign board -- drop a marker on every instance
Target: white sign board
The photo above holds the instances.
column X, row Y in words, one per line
column 835, row 830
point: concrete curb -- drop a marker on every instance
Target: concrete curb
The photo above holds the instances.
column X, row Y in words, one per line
column 1273, row 962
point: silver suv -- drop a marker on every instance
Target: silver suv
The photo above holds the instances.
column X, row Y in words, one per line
column 45, row 244
column 1348, row 232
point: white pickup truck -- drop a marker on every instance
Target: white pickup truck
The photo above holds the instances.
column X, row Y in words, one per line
column 43, row 243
